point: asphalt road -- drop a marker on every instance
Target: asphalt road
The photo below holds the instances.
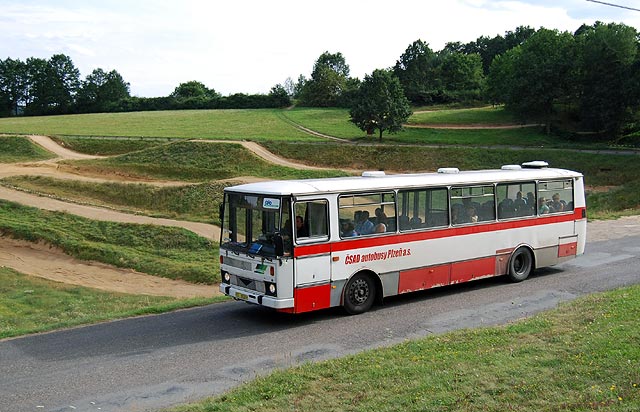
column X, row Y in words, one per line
column 153, row 362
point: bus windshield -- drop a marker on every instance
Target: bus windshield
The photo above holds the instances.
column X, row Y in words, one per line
column 250, row 223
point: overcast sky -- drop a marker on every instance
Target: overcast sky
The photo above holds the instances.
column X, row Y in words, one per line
column 248, row 46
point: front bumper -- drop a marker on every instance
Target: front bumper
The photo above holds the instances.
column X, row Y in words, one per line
column 252, row 296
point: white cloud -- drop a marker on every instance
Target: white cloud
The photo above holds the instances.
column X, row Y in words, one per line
column 250, row 45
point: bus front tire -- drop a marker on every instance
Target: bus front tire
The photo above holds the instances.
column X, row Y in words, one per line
column 359, row 294
column 520, row 264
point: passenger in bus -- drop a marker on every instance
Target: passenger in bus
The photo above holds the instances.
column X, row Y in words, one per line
column 520, row 205
column 301, row 229
column 471, row 215
column 415, row 222
column 363, row 225
column 531, row 203
column 556, row 205
column 543, row 209
column 348, row 229
column 457, row 211
column 381, row 217
column 380, row 228
column 403, row 220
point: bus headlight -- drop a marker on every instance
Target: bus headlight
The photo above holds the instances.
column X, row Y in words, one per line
column 271, row 289
column 226, row 277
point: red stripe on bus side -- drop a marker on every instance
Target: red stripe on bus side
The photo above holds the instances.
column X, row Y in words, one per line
column 345, row 245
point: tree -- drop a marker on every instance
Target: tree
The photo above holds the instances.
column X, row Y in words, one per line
column 608, row 75
column 13, row 85
column 64, row 81
column 530, row 79
column 416, row 70
column 279, row 96
column 101, row 91
column 328, row 81
column 381, row 104
column 193, row 89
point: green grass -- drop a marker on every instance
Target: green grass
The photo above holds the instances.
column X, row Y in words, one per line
column 480, row 115
column 198, row 202
column 618, row 201
column 195, row 162
column 169, row 252
column 583, row 356
column 254, row 124
column 30, row 305
column 108, row 146
column 15, row 149
column 330, row 121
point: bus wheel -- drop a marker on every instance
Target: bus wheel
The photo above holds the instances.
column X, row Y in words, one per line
column 359, row 294
column 520, row 265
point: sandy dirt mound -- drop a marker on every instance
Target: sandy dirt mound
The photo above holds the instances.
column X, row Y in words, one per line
column 51, row 263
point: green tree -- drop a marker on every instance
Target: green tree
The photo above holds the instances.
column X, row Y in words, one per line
column 380, row 104
column 193, row 89
column 328, row 81
column 13, row 85
column 461, row 76
column 64, row 81
column 38, row 99
column 101, row 91
column 608, row 75
column 416, row 69
column 535, row 76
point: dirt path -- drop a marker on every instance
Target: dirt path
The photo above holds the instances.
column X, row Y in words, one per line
column 51, row 263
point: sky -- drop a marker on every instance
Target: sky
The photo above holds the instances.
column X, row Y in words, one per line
column 249, row 46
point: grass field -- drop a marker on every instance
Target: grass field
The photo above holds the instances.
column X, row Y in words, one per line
column 256, row 124
column 20, row 149
column 30, row 305
column 480, row 115
column 193, row 162
column 169, row 252
column 583, row 356
column 197, row 202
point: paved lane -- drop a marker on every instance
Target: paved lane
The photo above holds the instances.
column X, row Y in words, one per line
column 152, row 362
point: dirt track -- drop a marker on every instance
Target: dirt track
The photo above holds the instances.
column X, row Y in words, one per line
column 51, row 263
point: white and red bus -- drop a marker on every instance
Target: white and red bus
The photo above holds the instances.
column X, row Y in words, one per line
column 303, row 245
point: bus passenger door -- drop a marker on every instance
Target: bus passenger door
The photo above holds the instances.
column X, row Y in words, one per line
column 312, row 275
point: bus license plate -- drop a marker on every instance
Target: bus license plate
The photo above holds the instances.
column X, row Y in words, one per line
column 242, row 296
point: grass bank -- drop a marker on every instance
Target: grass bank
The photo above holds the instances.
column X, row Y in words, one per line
column 583, row 356
column 169, row 252
column 15, row 149
column 108, row 146
column 193, row 162
column 197, row 202
column 30, row 305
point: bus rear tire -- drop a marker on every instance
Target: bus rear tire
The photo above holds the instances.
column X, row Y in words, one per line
column 520, row 264
column 359, row 294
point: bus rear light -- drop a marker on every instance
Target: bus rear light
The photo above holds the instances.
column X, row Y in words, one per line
column 270, row 289
column 221, row 259
column 272, row 271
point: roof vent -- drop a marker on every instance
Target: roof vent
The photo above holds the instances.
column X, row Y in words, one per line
column 373, row 173
column 536, row 164
column 511, row 167
column 449, row 170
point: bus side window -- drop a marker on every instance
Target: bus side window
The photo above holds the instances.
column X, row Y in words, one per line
column 516, row 200
column 311, row 220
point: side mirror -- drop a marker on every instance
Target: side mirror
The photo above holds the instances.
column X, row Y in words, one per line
column 278, row 243
column 221, row 211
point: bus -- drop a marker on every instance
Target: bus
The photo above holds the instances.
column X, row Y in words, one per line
column 303, row 245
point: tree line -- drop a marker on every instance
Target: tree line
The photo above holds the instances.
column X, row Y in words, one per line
column 587, row 81
column 37, row 87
